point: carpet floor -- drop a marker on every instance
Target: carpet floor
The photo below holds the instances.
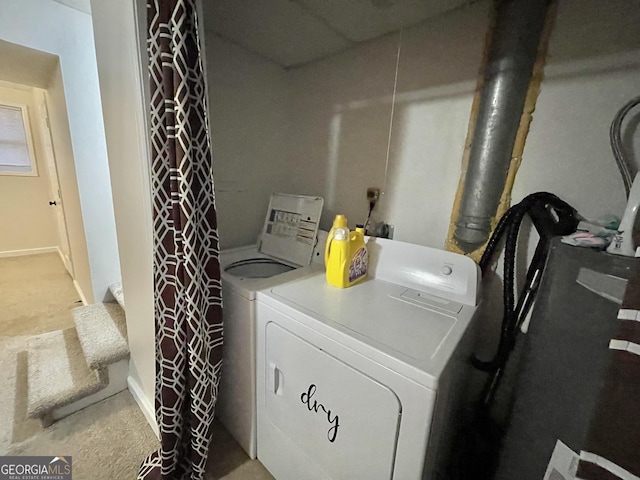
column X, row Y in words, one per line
column 36, row 295
column 13, row 394
column 107, row 440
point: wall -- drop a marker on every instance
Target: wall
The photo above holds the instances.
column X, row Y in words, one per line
column 323, row 129
column 54, row 28
column 346, row 139
column 121, row 86
column 592, row 71
column 338, row 119
column 341, row 112
column 248, row 101
column 28, row 220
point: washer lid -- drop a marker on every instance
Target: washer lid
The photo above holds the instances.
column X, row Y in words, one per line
column 290, row 227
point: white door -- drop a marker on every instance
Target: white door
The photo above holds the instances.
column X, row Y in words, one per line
column 345, row 422
column 55, row 201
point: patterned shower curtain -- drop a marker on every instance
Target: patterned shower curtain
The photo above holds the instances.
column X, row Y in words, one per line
column 188, row 307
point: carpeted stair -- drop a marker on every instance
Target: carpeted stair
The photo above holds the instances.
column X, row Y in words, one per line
column 102, row 333
column 71, row 369
column 118, row 295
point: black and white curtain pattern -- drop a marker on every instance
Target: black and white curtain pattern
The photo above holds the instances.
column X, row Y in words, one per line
column 188, row 306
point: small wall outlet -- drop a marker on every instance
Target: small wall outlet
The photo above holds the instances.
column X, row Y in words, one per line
column 390, row 230
column 381, row 229
column 373, row 194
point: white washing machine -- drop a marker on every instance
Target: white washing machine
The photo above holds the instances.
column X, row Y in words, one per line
column 284, row 252
column 366, row 382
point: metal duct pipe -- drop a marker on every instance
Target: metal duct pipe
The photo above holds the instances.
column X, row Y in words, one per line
column 511, row 58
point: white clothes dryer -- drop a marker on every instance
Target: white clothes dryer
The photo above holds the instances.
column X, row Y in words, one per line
column 283, row 253
column 365, row 382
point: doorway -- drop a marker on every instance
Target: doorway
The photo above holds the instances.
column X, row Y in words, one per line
column 38, row 282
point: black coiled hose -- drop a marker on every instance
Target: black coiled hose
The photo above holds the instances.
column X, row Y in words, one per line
column 551, row 216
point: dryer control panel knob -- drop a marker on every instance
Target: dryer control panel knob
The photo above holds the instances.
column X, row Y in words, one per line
column 446, row 270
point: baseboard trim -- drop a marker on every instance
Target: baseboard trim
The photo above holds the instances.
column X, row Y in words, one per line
column 28, row 251
column 76, row 285
column 69, row 267
column 143, row 402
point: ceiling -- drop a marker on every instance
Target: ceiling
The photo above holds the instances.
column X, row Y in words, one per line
column 292, row 33
column 295, row 32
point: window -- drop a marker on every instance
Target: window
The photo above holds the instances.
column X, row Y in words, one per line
column 16, row 146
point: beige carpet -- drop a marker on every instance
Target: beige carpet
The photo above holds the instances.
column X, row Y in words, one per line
column 107, row 440
column 58, row 373
column 13, row 394
column 102, row 330
column 36, row 295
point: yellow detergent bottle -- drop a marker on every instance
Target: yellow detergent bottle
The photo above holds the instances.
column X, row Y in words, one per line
column 345, row 255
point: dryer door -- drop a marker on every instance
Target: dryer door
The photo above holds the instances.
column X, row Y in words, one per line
column 344, row 421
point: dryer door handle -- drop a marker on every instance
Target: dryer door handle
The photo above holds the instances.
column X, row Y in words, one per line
column 276, row 379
